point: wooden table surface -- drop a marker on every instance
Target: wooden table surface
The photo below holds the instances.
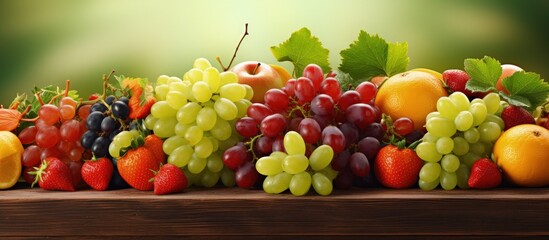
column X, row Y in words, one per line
column 238, row 213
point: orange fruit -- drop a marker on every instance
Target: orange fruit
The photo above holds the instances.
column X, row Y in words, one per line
column 411, row 94
column 284, row 74
column 11, row 152
column 522, row 153
column 430, row 71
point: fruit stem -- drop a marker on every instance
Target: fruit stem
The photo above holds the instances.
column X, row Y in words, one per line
column 256, row 67
column 67, row 87
column 64, row 93
column 39, row 98
column 106, row 83
column 251, row 146
column 235, row 51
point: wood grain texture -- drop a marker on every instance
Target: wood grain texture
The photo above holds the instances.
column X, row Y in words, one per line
column 234, row 213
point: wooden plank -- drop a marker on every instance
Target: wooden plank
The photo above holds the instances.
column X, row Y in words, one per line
column 233, row 212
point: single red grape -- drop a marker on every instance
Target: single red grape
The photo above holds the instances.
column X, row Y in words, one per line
column 310, row 130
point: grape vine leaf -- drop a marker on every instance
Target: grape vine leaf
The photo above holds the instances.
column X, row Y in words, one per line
column 484, row 74
column 371, row 56
column 302, row 49
column 526, row 89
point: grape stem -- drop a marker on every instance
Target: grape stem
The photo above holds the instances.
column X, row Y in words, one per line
column 106, row 79
column 235, row 51
column 251, row 146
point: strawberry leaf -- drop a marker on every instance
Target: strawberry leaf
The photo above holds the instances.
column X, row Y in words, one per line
column 372, row 56
column 302, row 49
column 526, row 89
column 484, row 74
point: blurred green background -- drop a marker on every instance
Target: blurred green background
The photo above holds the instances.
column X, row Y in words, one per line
column 47, row 42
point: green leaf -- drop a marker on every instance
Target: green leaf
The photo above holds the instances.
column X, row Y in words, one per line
column 302, row 49
column 484, row 74
column 372, row 56
column 526, row 89
column 397, row 58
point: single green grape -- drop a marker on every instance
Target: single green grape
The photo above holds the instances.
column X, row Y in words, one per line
column 160, row 91
column 321, row 157
column 221, row 130
column 463, row 176
column 269, row 165
column 428, row 152
column 214, row 163
column 209, row 179
column 489, row 131
column 492, row 102
column 201, row 63
column 448, row 181
column 228, row 177
column 295, row 163
column 430, row 172
column 441, row 127
column 211, row 76
column 300, row 184
column 176, row 99
column 181, row 156
column 322, row 184
column 162, row 109
column 233, row 91
column 464, row 120
column 423, row 185
column 472, row 135
column 227, row 77
column 206, row 118
column 460, row 100
column 294, row 143
column 164, row 128
column 203, row 148
column 201, row 91
column 196, row 164
column 172, row 143
column 194, row 134
column 162, row 79
column 450, row 163
column 444, row 145
column 114, row 149
column 194, row 75
column 187, row 114
column 479, row 111
column 447, row 108
column 225, row 109
column 461, row 146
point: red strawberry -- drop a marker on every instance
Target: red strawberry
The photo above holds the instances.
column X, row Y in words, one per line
column 141, row 99
column 484, row 174
column 397, row 168
column 169, row 179
column 515, row 115
column 97, row 173
column 53, row 174
column 154, row 144
column 135, row 168
column 456, row 80
column 94, row 96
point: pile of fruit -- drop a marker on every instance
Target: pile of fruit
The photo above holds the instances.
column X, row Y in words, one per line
column 370, row 123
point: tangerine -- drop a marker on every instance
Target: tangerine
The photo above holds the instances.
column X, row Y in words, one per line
column 522, row 153
column 411, row 94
